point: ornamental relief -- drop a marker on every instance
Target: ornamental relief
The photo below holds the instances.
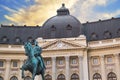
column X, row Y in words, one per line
column 61, row 45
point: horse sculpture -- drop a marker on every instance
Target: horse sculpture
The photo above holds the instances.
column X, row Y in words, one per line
column 32, row 64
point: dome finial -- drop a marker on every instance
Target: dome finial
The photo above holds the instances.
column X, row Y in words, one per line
column 63, row 5
column 63, row 10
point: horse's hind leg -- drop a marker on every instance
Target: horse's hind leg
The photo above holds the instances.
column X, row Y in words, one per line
column 43, row 78
column 34, row 72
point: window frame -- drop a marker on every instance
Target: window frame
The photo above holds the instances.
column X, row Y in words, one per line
column 94, row 36
column 98, row 76
column 61, row 77
column 48, row 77
column 98, row 59
column 74, row 78
column 109, row 77
column 3, row 63
column 13, row 78
column 109, row 56
column 60, row 62
column 107, row 35
column 12, row 64
column 74, row 61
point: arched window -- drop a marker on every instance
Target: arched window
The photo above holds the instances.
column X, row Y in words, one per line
column 69, row 27
column 107, row 35
column 17, row 40
column 74, row 77
column 4, row 39
column 69, row 30
column 111, row 76
column 48, row 77
column 61, row 77
column 27, row 78
column 13, row 78
column 1, row 78
column 53, row 30
column 94, row 36
column 118, row 32
column 97, row 76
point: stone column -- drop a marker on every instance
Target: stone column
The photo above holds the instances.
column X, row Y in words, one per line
column 117, row 65
column 67, row 68
column 7, row 72
column 85, row 66
column 80, row 67
column 21, row 63
column 53, row 68
column 103, row 68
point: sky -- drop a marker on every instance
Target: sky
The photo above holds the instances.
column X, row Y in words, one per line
column 36, row 12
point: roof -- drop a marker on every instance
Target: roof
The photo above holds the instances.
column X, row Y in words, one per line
column 104, row 29
column 62, row 25
column 22, row 32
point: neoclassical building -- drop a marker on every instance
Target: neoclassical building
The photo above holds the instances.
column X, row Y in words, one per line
column 71, row 50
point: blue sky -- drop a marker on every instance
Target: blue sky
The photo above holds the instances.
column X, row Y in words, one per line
column 12, row 4
column 110, row 7
column 36, row 12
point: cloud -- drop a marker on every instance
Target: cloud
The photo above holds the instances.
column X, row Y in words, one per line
column 8, row 9
column 39, row 12
column 85, row 11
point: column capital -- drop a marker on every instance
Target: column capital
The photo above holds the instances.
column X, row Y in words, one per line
column 54, row 58
column 116, row 55
column 67, row 58
column 102, row 56
column 8, row 60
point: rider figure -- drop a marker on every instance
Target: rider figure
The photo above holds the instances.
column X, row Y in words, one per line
column 37, row 54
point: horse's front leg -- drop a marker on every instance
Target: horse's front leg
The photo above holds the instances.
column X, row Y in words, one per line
column 34, row 72
column 22, row 72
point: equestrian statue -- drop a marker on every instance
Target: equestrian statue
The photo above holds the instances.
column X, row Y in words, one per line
column 34, row 63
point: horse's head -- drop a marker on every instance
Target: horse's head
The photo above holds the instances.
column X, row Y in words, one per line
column 28, row 48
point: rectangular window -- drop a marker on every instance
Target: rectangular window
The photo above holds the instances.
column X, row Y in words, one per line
column 60, row 62
column 1, row 63
column 15, row 64
column 48, row 62
column 95, row 60
column 109, row 59
column 74, row 61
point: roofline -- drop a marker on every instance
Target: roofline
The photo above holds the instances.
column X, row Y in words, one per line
column 113, row 18
column 20, row 26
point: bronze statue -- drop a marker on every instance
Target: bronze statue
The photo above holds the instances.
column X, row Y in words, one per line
column 34, row 62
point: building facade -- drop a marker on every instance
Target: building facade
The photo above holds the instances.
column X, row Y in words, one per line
column 71, row 50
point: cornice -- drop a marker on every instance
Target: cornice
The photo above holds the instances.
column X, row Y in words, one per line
column 104, row 47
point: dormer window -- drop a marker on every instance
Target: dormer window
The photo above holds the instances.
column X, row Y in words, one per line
column 94, row 36
column 118, row 32
column 53, row 28
column 4, row 39
column 30, row 39
column 17, row 40
column 69, row 27
column 107, row 35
